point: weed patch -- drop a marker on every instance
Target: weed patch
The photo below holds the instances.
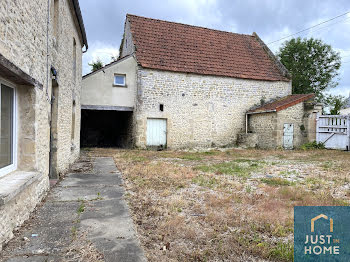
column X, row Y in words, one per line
column 277, row 181
column 239, row 169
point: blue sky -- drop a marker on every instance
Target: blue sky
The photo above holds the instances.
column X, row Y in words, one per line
column 270, row 19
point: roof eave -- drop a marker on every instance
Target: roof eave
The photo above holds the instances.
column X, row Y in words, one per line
column 261, row 112
column 81, row 22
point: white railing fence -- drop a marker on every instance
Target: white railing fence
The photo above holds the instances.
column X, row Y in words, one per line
column 333, row 131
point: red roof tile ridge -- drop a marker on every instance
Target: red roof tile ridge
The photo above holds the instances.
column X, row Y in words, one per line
column 195, row 26
column 200, row 50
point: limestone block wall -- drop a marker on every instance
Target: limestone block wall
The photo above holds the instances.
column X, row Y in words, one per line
column 23, row 41
column 265, row 125
column 201, row 111
column 25, row 45
column 310, row 120
column 292, row 115
column 17, row 210
column 269, row 126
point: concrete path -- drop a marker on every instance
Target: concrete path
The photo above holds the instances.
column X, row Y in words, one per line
column 84, row 218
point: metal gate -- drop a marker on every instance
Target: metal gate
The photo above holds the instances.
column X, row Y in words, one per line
column 288, row 135
column 333, row 131
column 156, row 132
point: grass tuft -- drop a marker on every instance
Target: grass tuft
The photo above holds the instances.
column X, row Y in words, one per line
column 238, row 168
column 277, row 181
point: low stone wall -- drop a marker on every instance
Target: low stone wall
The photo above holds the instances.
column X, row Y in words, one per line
column 15, row 211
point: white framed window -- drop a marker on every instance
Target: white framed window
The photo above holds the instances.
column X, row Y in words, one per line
column 119, row 80
column 8, row 128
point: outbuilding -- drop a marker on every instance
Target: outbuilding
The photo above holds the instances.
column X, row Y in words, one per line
column 287, row 122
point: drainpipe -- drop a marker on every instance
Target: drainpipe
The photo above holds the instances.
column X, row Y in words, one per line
column 246, row 123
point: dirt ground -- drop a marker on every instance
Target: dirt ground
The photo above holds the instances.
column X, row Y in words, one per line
column 226, row 205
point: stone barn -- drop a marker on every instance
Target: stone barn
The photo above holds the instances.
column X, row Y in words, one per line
column 286, row 122
column 183, row 86
column 41, row 46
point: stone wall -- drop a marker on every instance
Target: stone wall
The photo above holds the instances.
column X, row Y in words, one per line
column 18, row 209
column 23, row 41
column 292, row 115
column 201, row 111
column 269, row 126
column 265, row 125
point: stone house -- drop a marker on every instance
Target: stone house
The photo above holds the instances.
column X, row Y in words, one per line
column 41, row 46
column 179, row 86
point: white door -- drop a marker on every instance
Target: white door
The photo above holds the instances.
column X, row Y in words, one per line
column 288, row 131
column 156, row 132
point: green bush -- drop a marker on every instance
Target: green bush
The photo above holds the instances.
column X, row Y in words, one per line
column 313, row 145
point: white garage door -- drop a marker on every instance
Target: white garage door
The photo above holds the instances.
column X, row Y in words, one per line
column 156, row 132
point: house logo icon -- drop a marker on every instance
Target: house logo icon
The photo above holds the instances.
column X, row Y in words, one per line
column 319, row 217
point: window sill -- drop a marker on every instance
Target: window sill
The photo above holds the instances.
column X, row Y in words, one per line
column 125, row 86
column 14, row 183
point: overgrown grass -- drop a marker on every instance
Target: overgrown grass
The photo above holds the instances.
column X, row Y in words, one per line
column 277, row 181
column 205, row 181
column 282, row 251
column 239, row 168
column 191, row 157
column 209, row 207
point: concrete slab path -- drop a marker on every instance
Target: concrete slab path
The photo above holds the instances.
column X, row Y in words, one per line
column 84, row 218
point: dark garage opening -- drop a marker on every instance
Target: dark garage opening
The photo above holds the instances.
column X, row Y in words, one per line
column 105, row 128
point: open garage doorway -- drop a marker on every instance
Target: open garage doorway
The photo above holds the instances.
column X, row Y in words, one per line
column 106, row 128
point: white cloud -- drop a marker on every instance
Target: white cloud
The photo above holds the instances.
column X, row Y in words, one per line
column 204, row 13
column 99, row 50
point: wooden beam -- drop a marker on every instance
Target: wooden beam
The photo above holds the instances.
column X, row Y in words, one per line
column 111, row 108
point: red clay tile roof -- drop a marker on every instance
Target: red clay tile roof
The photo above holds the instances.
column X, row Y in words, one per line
column 184, row 48
column 282, row 103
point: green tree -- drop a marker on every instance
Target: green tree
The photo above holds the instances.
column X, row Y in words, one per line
column 335, row 103
column 96, row 65
column 312, row 64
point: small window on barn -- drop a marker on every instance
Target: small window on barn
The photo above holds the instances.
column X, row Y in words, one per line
column 119, row 80
column 161, row 107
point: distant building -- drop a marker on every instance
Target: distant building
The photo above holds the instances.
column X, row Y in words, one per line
column 179, row 86
column 40, row 83
column 346, row 109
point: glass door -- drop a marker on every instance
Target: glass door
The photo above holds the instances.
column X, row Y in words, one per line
column 7, row 129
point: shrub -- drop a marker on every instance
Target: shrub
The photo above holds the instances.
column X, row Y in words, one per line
column 313, row 145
